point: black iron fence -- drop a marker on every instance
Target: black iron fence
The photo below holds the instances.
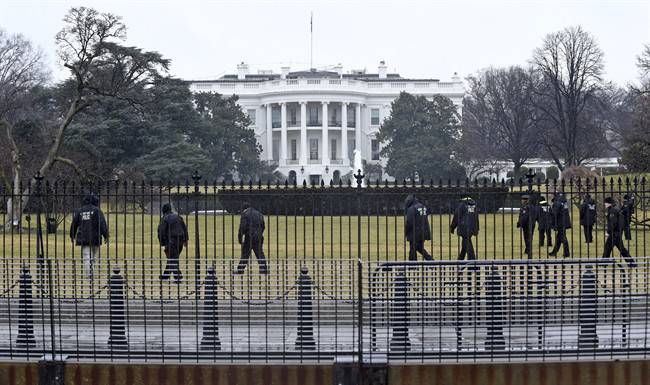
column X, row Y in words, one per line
column 337, row 280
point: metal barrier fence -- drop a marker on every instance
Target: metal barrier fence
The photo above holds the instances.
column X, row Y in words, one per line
column 338, row 282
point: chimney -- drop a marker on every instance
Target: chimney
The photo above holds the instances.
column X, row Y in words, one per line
column 242, row 71
column 338, row 69
column 285, row 72
column 382, row 70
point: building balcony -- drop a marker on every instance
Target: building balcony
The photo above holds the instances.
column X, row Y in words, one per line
column 276, row 124
column 314, row 123
column 314, row 161
column 293, row 123
column 292, row 161
column 334, row 123
column 345, row 162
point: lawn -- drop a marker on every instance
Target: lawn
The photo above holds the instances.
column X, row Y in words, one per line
column 326, row 244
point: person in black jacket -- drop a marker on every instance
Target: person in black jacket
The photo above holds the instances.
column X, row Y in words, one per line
column 627, row 210
column 545, row 222
column 416, row 228
column 87, row 230
column 172, row 234
column 588, row 217
column 466, row 221
column 251, row 236
column 615, row 224
column 526, row 221
column 561, row 222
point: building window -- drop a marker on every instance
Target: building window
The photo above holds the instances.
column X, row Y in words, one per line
column 335, row 117
column 276, row 149
column 374, row 144
column 333, row 149
column 313, row 116
column 293, row 116
column 374, row 116
column 276, row 117
column 252, row 115
column 294, row 149
column 351, row 116
column 351, row 147
column 313, row 149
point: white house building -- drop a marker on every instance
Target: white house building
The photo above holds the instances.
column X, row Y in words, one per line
column 310, row 122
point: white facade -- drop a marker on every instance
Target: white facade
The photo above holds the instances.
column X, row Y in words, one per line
column 498, row 170
column 309, row 122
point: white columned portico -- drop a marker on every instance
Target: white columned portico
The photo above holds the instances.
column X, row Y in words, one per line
column 303, row 133
column 283, row 134
column 357, row 128
column 344, row 134
column 269, row 132
column 326, row 155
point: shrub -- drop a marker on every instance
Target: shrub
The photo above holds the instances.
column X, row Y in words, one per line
column 552, row 173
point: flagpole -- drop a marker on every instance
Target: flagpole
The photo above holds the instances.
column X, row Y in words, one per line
column 311, row 36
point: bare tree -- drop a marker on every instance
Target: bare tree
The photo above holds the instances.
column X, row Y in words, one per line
column 499, row 116
column 88, row 46
column 571, row 64
column 21, row 70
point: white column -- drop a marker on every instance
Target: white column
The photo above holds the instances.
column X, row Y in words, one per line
column 325, row 157
column 269, row 132
column 344, row 133
column 283, row 134
column 357, row 128
column 303, row 134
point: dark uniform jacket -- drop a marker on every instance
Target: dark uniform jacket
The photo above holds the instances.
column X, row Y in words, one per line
column 627, row 210
column 172, row 228
column 561, row 214
column 527, row 216
column 545, row 217
column 416, row 226
column 88, row 225
column 465, row 219
column 251, row 223
column 588, row 212
column 615, row 222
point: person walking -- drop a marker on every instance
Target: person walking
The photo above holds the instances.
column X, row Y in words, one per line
column 526, row 221
column 545, row 222
column 416, row 228
column 87, row 230
column 172, row 235
column 561, row 222
column 251, row 237
column 466, row 221
column 588, row 217
column 627, row 210
column 615, row 225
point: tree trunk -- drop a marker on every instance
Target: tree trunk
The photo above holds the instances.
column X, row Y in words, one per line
column 13, row 209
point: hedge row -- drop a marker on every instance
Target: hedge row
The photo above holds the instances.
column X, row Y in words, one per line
column 345, row 200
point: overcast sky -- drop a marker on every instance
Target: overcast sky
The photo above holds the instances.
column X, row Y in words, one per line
column 432, row 39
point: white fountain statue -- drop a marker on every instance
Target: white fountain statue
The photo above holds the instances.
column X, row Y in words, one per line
column 358, row 165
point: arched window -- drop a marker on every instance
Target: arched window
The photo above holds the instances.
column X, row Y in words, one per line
column 292, row 177
column 336, row 177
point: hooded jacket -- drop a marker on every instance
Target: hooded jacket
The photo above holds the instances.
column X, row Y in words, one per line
column 615, row 222
column 172, row 228
column 251, row 224
column 545, row 216
column 416, row 225
column 88, row 223
column 465, row 218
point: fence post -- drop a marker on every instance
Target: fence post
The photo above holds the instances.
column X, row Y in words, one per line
column 196, row 177
column 210, row 339
column 116, row 309
column 25, row 310
column 400, row 314
column 305, row 339
column 588, row 310
column 40, row 254
column 359, row 178
column 494, row 303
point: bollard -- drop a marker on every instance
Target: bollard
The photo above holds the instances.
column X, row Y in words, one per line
column 494, row 303
column 210, row 339
column 25, row 309
column 399, row 319
column 305, row 339
column 588, row 310
column 117, row 317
